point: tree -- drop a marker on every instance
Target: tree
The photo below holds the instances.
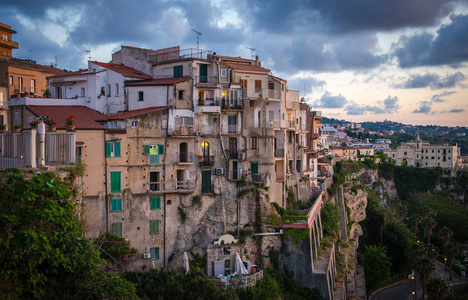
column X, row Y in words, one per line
column 437, row 288
column 414, row 221
column 445, row 234
column 450, row 251
column 376, row 265
column 424, row 267
column 116, row 250
column 330, row 217
column 43, row 249
column 397, row 237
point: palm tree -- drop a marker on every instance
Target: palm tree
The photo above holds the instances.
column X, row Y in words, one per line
column 437, row 288
column 424, row 267
column 445, row 234
column 428, row 223
column 451, row 250
column 414, row 220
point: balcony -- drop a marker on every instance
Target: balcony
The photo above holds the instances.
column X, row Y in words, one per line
column 208, row 105
column 207, row 188
column 279, row 152
column 236, row 174
column 183, row 131
column 9, row 44
column 274, row 94
column 206, row 81
column 20, row 89
column 315, row 136
column 206, row 161
column 293, row 105
column 4, row 104
column 274, row 123
column 291, row 124
column 257, row 177
column 233, row 128
column 170, row 187
column 227, row 104
column 184, row 158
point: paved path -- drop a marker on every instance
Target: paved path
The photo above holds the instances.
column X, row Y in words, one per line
column 403, row 289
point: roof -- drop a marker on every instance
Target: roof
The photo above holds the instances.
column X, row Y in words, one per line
column 247, row 67
column 84, row 117
column 123, row 70
column 28, row 64
column 132, row 113
column 74, row 73
column 159, row 81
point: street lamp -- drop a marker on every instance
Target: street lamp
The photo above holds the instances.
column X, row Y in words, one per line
column 415, row 288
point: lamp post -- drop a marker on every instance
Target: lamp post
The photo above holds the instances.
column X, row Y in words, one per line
column 415, row 286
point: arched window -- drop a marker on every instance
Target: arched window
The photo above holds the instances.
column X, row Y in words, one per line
column 206, row 150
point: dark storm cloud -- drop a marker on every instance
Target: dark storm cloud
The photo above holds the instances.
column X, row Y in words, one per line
column 432, row 80
column 438, row 97
column 448, row 47
column 388, row 106
column 343, row 15
column 424, row 108
column 329, row 101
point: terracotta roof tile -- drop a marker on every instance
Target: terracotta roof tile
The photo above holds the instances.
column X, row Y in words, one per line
column 84, row 117
column 131, row 113
column 123, row 69
column 15, row 62
column 247, row 67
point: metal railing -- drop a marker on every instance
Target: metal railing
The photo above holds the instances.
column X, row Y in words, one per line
column 25, row 89
column 12, row 150
column 184, row 157
column 207, row 188
column 157, row 186
column 237, row 174
column 233, row 128
column 249, row 280
column 206, row 79
column 279, row 152
column 256, row 177
column 227, row 103
column 56, row 148
column 183, row 130
column 274, row 94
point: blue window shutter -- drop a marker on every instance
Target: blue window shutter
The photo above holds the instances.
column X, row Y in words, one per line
column 117, row 149
column 155, row 202
column 108, row 149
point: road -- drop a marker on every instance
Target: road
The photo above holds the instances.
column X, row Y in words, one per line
column 403, row 289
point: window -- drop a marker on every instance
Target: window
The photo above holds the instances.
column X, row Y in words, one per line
column 78, row 154
column 116, row 89
column 154, row 226
column 154, row 151
column 20, row 83
column 254, row 172
column 103, row 92
column 11, row 80
column 258, row 86
column 206, row 150
column 181, row 95
column 140, row 96
column 83, row 92
column 30, row 119
column 178, row 71
column 113, row 149
column 154, row 252
column 115, row 178
column 223, row 72
column 254, row 142
column 405, row 153
column 116, row 204
column 33, row 85
column 134, row 124
column 243, row 83
column 232, row 124
column 206, row 182
column 155, row 185
column 58, row 92
column 116, row 229
column 155, row 202
column 108, row 90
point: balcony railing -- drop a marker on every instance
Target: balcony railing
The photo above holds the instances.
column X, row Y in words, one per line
column 183, row 130
column 206, row 80
column 175, row 185
column 256, row 177
column 274, row 123
column 182, row 185
column 227, row 103
column 274, row 94
column 233, row 128
column 292, row 105
column 184, row 158
column 279, row 152
column 237, row 174
column 291, row 124
column 206, row 161
column 25, row 89
column 207, row 188
column 208, row 102
column 156, row 186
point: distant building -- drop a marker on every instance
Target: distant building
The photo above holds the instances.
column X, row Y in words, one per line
column 419, row 154
column 6, row 42
column 345, row 153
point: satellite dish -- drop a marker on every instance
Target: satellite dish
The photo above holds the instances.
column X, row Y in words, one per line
column 302, row 99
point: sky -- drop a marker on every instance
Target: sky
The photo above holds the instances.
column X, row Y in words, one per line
column 358, row 60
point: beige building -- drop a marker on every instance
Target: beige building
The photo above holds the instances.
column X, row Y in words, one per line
column 345, row 153
column 419, row 154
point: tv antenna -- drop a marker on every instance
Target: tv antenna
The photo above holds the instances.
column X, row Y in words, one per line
column 88, row 52
column 198, row 38
column 252, row 52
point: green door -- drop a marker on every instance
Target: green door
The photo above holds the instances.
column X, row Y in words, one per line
column 235, row 171
column 206, row 182
column 204, row 73
column 254, row 171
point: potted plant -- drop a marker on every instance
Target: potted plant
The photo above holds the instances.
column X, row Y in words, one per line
column 70, row 123
column 51, row 124
column 33, row 124
column 16, row 128
column 2, row 128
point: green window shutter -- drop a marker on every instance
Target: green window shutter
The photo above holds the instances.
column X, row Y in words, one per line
column 178, row 71
column 154, row 252
column 117, row 149
column 116, row 229
column 154, row 226
column 108, row 149
column 155, row 202
column 147, row 149
column 116, row 204
column 160, row 149
column 115, row 182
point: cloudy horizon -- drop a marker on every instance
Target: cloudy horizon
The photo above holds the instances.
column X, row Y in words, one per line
column 400, row 60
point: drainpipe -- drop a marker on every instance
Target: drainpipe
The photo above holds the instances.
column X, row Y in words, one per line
column 164, row 176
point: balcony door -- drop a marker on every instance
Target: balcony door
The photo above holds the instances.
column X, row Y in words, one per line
column 183, row 152
column 204, row 73
column 206, row 181
column 233, row 148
